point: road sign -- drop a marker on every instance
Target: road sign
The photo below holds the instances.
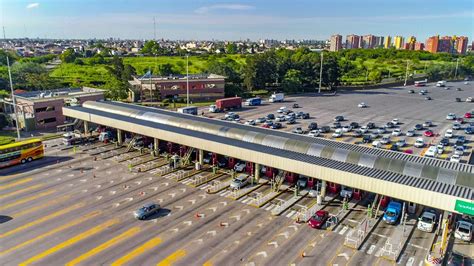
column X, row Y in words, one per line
column 464, row 207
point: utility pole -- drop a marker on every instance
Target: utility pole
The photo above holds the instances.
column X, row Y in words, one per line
column 321, row 72
column 456, row 71
column 406, row 74
column 11, row 88
column 187, row 80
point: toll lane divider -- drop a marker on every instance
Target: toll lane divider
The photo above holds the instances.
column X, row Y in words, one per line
column 237, row 194
column 283, row 207
column 205, row 179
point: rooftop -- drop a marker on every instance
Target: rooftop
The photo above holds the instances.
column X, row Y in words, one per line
column 138, row 79
column 58, row 93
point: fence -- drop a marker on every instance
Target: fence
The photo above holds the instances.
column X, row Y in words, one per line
column 391, row 251
column 304, row 215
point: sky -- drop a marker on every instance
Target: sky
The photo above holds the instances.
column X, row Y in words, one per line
column 235, row 20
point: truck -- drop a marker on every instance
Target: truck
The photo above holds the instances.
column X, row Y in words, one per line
column 277, row 97
column 74, row 138
column 441, row 83
column 192, row 110
column 226, row 104
column 253, row 102
column 393, row 212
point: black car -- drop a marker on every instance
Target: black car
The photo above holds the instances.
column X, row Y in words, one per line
column 394, row 147
column 389, row 125
column 458, row 100
column 444, row 142
column 287, row 111
column 370, row 125
column 276, row 126
column 411, row 91
column 357, row 133
column 354, row 125
column 336, row 125
column 222, row 162
column 339, row 118
column 295, row 105
column 460, row 141
column 469, row 130
column 305, row 116
column 428, row 98
column 299, row 115
column 367, row 139
column 270, row 116
column 418, row 127
column 312, row 126
column 325, row 129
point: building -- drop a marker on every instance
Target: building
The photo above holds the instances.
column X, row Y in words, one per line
column 388, row 42
column 398, row 42
column 336, row 43
column 352, row 41
column 411, row 41
column 40, row 110
column 461, row 44
column 445, row 44
column 432, row 44
column 419, row 46
column 368, row 41
column 379, row 41
column 157, row 88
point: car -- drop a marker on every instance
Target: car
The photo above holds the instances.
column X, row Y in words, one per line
column 207, row 158
column 471, row 124
column 336, row 125
column 346, row 128
column 222, row 162
column 440, row 149
column 389, row 125
column 431, row 152
column 469, row 99
column 364, row 129
column 451, row 116
column 250, row 122
column 318, row 219
column 291, row 121
column 395, row 121
column 239, row 166
column 418, row 127
column 463, row 231
column 385, row 140
column 337, row 133
column 267, row 124
column 354, row 125
column 312, row 126
column 381, row 130
column 314, row 133
column 469, row 130
column 428, row 98
column 313, row 193
column 394, row 147
column 421, row 93
column 325, row 129
column 229, row 114
column 449, row 133
column 299, row 114
column 261, row 120
column 366, row 139
column 290, row 116
column 444, row 141
column 456, row 158
column 392, row 212
column 427, row 123
column 239, row 182
column 410, row 133
column 419, row 143
column 370, row 125
column 460, row 140
column 357, row 133
column 346, row 192
column 457, row 126
column 411, row 91
column 401, row 143
column 428, row 133
column 270, row 116
column 305, row 116
column 460, row 120
column 396, row 132
column 297, row 130
column 302, row 182
column 146, row 211
column 280, row 118
column 427, row 221
column 467, row 115
column 339, row 118
column 459, row 150
column 376, row 144
column 281, row 109
column 295, row 105
column 374, row 135
column 362, row 105
column 424, row 91
column 276, row 126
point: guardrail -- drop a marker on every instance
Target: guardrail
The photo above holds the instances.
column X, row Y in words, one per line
column 306, row 213
column 164, row 170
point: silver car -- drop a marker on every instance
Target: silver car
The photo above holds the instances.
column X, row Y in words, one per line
column 239, row 182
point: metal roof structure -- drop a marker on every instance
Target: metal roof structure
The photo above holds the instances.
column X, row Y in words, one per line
column 412, row 171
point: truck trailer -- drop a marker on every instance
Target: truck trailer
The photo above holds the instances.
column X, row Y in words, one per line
column 253, row 102
column 226, row 104
column 192, row 110
column 277, row 97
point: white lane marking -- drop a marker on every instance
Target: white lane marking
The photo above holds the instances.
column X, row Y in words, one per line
column 291, row 214
column 213, row 232
column 261, row 253
column 343, row 230
column 379, row 235
column 188, row 223
column 247, row 200
column 417, row 246
column 286, row 234
column 274, row 243
column 410, row 261
column 294, row 227
column 371, row 249
column 379, row 252
column 269, row 207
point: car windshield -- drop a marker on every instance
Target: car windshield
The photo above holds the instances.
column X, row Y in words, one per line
column 317, row 218
column 463, row 229
column 390, row 214
column 426, row 219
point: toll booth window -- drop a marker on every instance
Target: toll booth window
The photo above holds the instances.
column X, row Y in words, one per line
column 47, row 120
column 45, row 109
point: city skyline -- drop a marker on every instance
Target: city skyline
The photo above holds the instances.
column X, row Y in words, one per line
column 206, row 20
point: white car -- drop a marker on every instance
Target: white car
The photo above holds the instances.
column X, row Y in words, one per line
column 250, row 122
column 451, row 116
column 395, row 121
column 314, row 133
column 426, row 222
column 362, row 105
column 419, row 143
column 459, row 150
column 455, row 158
column 401, row 143
column 229, row 114
column 239, row 167
column 239, row 182
column 427, row 124
column 376, row 144
column 396, row 132
column 281, row 110
column 431, row 152
column 280, row 118
column 456, row 126
column 440, row 149
column 385, row 140
column 346, row 192
column 298, row 130
column 337, row 133
column 410, row 133
column 346, row 128
column 364, row 129
column 381, row 130
column 463, row 231
column 469, row 99
column 449, row 133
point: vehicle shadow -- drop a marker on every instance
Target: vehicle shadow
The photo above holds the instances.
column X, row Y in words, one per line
column 46, row 161
column 4, row 219
column 161, row 213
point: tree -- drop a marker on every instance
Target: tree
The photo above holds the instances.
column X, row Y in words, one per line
column 166, row 69
column 231, row 48
column 292, row 81
column 4, row 120
column 68, row 56
column 150, row 48
column 375, row 75
column 225, row 68
column 78, row 61
column 3, row 57
column 97, row 59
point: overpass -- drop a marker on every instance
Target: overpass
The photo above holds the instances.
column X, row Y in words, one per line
column 426, row 181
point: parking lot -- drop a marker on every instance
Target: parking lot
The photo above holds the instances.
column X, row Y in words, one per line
column 383, row 105
column 80, row 211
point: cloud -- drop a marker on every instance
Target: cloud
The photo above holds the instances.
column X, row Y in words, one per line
column 207, row 9
column 32, row 5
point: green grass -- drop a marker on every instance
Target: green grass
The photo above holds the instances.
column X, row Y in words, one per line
column 87, row 75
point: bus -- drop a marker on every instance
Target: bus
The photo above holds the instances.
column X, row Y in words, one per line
column 421, row 83
column 21, row 152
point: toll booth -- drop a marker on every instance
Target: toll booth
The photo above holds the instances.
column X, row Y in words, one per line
column 291, row 177
column 169, row 147
column 232, row 162
column 411, row 207
column 384, row 201
column 249, row 168
column 334, row 188
column 358, row 194
column 182, row 150
column 214, row 158
column 269, row 172
column 311, row 182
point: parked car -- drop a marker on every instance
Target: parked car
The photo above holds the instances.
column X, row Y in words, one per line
column 463, row 231
column 467, row 115
column 469, row 130
column 312, row 126
column 457, row 126
column 337, row 133
column 370, row 125
column 362, row 105
column 354, row 124
column 276, row 126
column 325, row 129
column 250, row 122
column 431, row 152
column 427, row 123
column 459, row 150
column 418, row 127
column 411, row 91
column 389, row 125
column 449, row 133
column 385, row 140
column 410, row 133
column 339, row 118
column 346, row 128
column 146, row 211
column 261, row 120
column 374, row 135
column 428, row 133
column 427, row 221
column 305, row 116
column 460, row 140
column 381, row 130
column 357, row 133
column 394, row 147
column 376, row 144
column 280, row 118
column 428, row 98
column 239, row 166
column 460, row 120
column 298, row 130
column 401, row 143
column 295, row 105
column 366, row 139
column 419, row 143
column 314, row 133
column 270, row 116
column 364, row 129
column 396, row 132
column 444, row 141
column 291, row 121
column 302, row 182
column 451, row 116
column 336, row 125
column 395, row 121
column 456, row 158
column 440, row 149
column 318, row 219
column 281, row 109
column 346, row 192
column 239, row 182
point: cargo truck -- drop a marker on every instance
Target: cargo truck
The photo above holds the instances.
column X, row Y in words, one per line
column 277, row 97
column 226, row 104
column 192, row 110
column 253, row 101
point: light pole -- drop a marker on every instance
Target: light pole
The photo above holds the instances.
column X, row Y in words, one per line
column 406, row 74
column 11, row 88
column 187, row 80
column 456, row 70
column 321, row 72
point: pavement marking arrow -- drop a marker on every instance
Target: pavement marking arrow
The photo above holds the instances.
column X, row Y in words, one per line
column 155, row 188
column 98, row 186
column 179, row 207
column 274, row 243
column 160, row 200
column 149, row 178
column 343, row 255
column 58, row 179
column 246, row 211
column 113, row 192
column 84, row 190
column 199, row 241
column 294, row 227
column 70, row 175
column 213, row 232
column 116, row 204
column 223, row 203
column 202, row 196
column 99, row 197
column 165, row 184
column 188, row 223
column 286, row 234
column 175, row 230
column 172, row 194
column 192, row 201
column 183, row 190
column 70, row 185
column 262, row 253
column 236, row 217
column 128, row 199
column 138, row 182
column 83, row 180
column 213, row 209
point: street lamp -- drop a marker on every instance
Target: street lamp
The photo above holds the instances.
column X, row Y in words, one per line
column 406, row 74
column 187, row 80
column 13, row 94
column 456, row 70
column 321, row 72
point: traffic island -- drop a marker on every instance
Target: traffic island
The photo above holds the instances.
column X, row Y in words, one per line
column 239, row 193
column 287, row 204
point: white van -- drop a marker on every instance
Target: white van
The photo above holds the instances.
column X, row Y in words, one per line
column 431, row 152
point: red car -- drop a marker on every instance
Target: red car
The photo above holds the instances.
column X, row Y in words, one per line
column 460, row 120
column 266, row 126
column 467, row 115
column 318, row 219
column 428, row 133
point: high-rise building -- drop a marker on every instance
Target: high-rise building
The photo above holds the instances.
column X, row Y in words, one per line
column 379, row 41
column 388, row 42
column 445, row 44
column 411, row 41
column 461, row 44
column 368, row 41
column 352, row 41
column 419, row 46
column 398, row 42
column 432, row 44
column 406, row 46
column 336, row 43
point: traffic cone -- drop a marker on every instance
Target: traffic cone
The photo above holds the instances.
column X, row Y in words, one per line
column 197, row 215
column 303, row 254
